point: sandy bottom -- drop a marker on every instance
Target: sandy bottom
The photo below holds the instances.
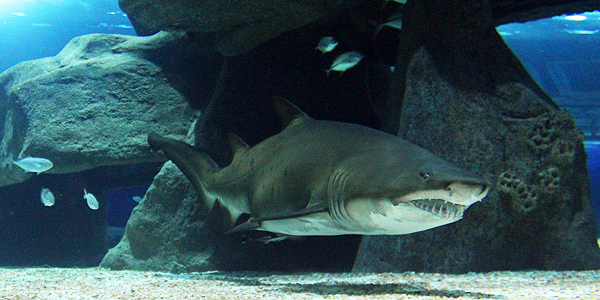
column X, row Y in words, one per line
column 94, row 283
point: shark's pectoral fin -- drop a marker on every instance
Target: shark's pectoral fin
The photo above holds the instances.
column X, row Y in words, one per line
column 250, row 224
column 255, row 223
column 269, row 238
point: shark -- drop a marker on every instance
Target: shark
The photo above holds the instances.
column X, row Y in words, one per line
column 326, row 178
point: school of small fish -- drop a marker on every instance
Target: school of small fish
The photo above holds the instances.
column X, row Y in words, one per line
column 350, row 59
column 48, row 198
column 343, row 61
column 39, row 165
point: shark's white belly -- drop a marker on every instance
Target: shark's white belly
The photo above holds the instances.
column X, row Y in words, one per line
column 314, row 224
column 323, row 224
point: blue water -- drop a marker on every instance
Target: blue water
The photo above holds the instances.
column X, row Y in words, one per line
column 593, row 150
column 32, row 29
column 121, row 204
column 561, row 53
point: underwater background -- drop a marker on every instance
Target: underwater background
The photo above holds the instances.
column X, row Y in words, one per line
column 560, row 53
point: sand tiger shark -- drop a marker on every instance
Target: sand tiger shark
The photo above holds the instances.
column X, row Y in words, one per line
column 328, row 178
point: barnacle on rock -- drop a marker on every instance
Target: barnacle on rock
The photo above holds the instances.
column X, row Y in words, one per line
column 552, row 135
column 542, row 136
column 507, row 182
column 523, row 197
column 561, row 153
column 550, row 178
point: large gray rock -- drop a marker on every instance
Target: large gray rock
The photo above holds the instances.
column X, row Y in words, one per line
column 236, row 25
column 165, row 231
column 538, row 214
column 467, row 98
column 91, row 105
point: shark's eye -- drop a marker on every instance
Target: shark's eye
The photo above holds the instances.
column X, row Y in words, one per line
column 424, row 176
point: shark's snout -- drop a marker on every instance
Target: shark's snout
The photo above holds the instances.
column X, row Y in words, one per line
column 418, row 210
column 466, row 193
column 458, row 192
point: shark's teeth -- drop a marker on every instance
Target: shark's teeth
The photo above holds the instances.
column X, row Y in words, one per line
column 440, row 207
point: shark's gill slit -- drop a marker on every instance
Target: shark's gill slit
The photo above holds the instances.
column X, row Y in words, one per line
column 335, row 192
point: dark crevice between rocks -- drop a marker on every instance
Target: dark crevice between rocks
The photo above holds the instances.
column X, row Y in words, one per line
column 69, row 233
column 308, row 254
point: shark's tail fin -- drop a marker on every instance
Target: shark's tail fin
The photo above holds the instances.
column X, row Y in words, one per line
column 195, row 165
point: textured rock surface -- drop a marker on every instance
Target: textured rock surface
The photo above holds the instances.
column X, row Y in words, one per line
column 236, row 25
column 468, row 100
column 164, row 231
column 91, row 105
column 538, row 214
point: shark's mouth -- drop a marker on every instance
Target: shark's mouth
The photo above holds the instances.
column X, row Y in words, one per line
column 440, row 208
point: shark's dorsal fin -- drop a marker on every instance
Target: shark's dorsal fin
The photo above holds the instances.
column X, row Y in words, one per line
column 236, row 143
column 289, row 114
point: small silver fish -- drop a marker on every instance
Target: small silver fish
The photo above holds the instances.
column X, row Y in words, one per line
column 34, row 164
column 137, row 199
column 394, row 23
column 47, row 197
column 326, row 44
column 346, row 61
column 398, row 1
column 91, row 200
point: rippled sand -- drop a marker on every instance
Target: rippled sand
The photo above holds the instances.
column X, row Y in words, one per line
column 94, row 283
